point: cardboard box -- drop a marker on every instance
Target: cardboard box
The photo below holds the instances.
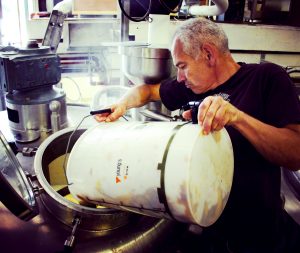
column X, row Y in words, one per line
column 95, row 7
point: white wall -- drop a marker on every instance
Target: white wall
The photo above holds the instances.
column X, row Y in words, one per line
column 279, row 44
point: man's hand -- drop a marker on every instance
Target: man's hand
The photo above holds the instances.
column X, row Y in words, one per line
column 214, row 113
column 118, row 110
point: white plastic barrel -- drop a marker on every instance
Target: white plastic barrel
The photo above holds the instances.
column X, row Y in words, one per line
column 160, row 169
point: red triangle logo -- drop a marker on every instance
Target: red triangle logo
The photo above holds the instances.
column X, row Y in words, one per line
column 118, row 180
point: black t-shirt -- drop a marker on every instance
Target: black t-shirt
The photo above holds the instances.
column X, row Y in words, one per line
column 254, row 213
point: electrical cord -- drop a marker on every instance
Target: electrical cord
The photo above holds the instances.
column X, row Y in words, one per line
column 68, row 145
column 143, row 18
column 77, row 87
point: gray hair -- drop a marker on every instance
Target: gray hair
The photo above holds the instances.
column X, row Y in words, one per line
column 196, row 31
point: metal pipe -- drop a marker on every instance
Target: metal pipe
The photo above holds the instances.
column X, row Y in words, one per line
column 2, row 101
column 219, row 8
column 125, row 21
column 64, row 6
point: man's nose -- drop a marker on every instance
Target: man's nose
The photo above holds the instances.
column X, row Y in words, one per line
column 180, row 76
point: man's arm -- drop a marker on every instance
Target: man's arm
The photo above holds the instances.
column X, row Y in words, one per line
column 281, row 146
column 135, row 97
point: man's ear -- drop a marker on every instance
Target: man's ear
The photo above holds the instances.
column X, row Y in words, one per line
column 209, row 52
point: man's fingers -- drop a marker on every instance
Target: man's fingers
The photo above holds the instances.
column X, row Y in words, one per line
column 202, row 110
column 223, row 116
column 187, row 115
column 214, row 113
column 210, row 109
column 117, row 112
column 101, row 117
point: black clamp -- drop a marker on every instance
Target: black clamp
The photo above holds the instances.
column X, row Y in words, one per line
column 193, row 106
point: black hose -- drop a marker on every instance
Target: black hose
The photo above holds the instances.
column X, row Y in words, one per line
column 168, row 8
column 143, row 18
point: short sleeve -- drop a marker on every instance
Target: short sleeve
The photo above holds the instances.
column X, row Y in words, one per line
column 282, row 105
column 174, row 94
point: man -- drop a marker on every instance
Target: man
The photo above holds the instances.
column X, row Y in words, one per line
column 258, row 106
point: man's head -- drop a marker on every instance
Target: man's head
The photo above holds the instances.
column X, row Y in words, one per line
column 193, row 33
column 198, row 47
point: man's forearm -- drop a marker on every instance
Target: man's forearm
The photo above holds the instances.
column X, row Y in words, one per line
column 279, row 145
column 141, row 95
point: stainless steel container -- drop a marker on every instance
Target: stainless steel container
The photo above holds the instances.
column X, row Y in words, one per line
column 92, row 219
column 148, row 233
column 143, row 64
column 100, row 220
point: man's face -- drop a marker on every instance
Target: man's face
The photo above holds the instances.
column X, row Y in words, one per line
column 196, row 74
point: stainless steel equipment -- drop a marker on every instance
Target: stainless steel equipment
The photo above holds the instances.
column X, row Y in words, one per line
column 28, row 75
column 52, row 176
column 108, row 230
column 143, row 64
column 29, row 112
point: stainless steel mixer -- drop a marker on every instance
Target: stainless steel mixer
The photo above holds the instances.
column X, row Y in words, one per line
column 29, row 76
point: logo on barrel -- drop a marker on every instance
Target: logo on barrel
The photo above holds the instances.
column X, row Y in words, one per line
column 122, row 171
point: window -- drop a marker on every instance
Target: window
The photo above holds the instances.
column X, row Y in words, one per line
column 10, row 23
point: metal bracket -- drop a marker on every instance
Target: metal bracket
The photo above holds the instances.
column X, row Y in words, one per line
column 69, row 243
column 35, row 187
column 29, row 152
column 54, row 30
